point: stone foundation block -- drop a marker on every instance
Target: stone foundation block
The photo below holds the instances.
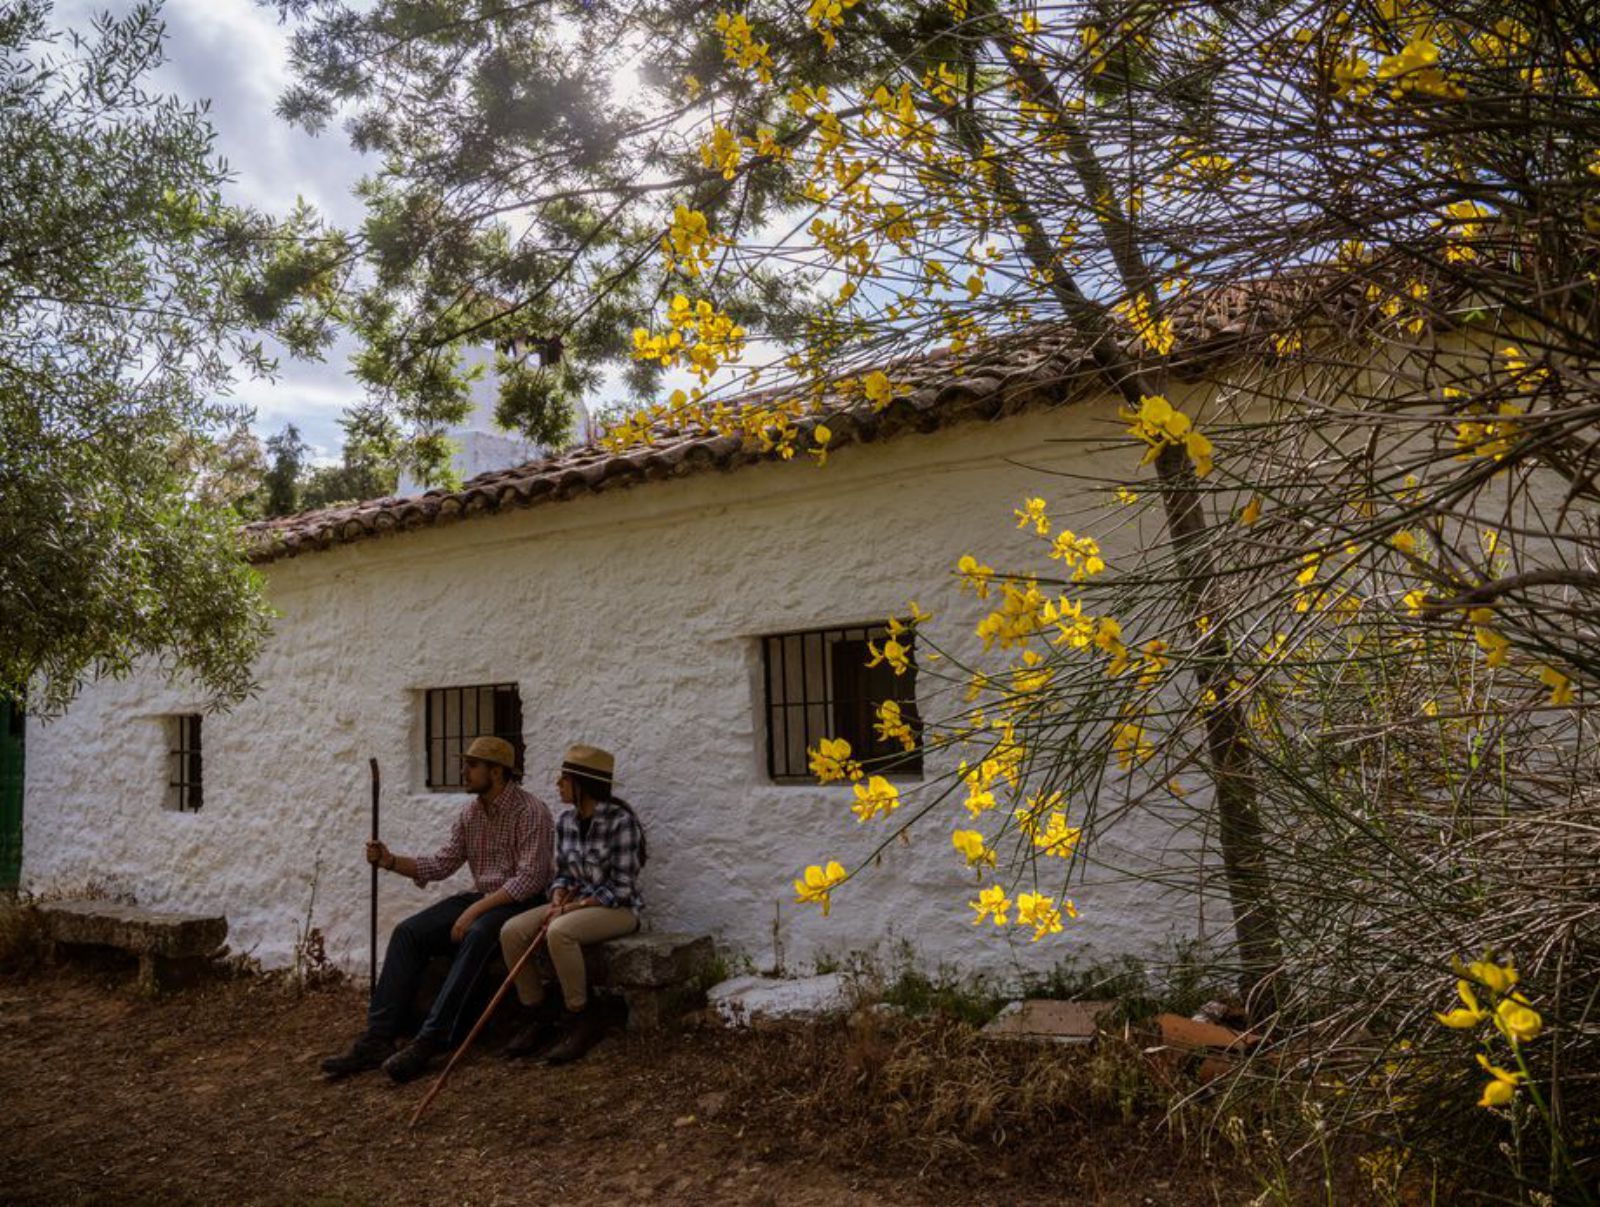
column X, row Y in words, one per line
column 160, row 940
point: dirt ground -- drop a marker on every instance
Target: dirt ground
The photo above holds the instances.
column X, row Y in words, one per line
column 212, row 1094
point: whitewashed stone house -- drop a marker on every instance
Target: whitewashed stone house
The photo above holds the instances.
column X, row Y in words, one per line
column 675, row 604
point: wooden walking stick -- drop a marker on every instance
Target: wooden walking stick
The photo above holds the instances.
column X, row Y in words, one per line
column 372, row 935
column 483, row 1019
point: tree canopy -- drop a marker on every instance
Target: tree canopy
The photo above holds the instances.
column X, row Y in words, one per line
column 129, row 295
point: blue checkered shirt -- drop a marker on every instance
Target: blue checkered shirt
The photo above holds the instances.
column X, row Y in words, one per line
column 605, row 865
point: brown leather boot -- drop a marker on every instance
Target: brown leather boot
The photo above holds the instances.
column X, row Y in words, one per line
column 413, row 1060
column 366, row 1053
column 533, row 1038
column 584, row 1028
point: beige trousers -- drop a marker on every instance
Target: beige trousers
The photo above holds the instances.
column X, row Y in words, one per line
column 566, row 937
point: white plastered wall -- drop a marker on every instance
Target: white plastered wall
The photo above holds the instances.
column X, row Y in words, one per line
column 630, row 620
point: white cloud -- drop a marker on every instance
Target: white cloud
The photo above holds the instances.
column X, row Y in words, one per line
column 234, row 54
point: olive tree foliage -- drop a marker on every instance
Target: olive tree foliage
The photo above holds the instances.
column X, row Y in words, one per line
column 129, row 296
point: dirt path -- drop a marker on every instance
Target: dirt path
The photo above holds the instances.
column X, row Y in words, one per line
column 213, row 1095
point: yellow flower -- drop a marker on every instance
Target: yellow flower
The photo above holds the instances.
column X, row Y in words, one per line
column 975, row 575
column 1518, row 367
column 831, row 761
column 895, row 654
column 1497, row 977
column 970, row 844
column 1494, row 644
column 688, row 243
column 1154, row 663
column 1560, row 686
column 1057, row 837
column 1517, row 1021
column 892, row 726
column 879, row 389
column 739, row 46
column 1154, row 330
column 722, row 151
column 1251, row 512
column 1464, row 1017
column 1032, row 512
column 1502, row 1089
column 1080, row 553
column 818, row 883
column 1039, row 912
column 826, row 15
column 1128, row 740
column 1158, row 423
column 979, row 800
column 992, row 903
column 820, row 436
column 876, row 796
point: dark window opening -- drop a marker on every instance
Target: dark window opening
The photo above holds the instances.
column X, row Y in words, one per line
column 453, row 716
column 184, row 790
column 818, row 685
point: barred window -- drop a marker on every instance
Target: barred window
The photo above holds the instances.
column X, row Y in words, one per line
column 453, row 716
column 184, row 790
column 818, row 685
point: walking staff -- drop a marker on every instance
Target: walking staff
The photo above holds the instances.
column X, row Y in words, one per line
column 483, row 1020
column 372, row 982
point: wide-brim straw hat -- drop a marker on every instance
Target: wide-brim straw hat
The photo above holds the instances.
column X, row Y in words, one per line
column 493, row 750
column 590, row 761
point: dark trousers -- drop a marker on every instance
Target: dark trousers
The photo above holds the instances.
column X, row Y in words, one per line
column 416, row 941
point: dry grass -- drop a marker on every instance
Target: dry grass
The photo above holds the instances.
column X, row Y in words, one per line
column 933, row 1094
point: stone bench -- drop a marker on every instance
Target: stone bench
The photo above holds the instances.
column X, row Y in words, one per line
column 659, row 974
column 158, row 939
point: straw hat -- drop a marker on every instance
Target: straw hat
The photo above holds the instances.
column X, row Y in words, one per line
column 493, row 750
column 591, row 761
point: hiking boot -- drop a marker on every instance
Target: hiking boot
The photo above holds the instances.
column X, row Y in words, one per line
column 413, row 1060
column 533, row 1039
column 541, row 1027
column 584, row 1029
column 368, row 1052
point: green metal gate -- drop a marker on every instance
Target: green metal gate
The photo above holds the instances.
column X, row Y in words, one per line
column 11, row 735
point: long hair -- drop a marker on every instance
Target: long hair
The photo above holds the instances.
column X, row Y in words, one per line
column 600, row 790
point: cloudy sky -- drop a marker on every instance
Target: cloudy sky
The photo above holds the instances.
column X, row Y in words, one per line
column 234, row 54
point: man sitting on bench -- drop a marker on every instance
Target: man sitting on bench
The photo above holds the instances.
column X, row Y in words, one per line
column 506, row 837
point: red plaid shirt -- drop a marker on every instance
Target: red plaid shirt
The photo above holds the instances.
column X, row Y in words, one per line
column 509, row 845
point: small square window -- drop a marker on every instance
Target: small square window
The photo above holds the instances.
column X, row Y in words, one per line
column 818, row 685
column 453, row 716
column 184, row 791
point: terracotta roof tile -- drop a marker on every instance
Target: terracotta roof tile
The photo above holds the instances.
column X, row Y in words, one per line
column 1044, row 368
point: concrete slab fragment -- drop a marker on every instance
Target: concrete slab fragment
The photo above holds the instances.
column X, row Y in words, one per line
column 1047, row 1020
column 745, row 999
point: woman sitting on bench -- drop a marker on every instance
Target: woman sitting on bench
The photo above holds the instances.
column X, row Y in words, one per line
column 600, row 848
